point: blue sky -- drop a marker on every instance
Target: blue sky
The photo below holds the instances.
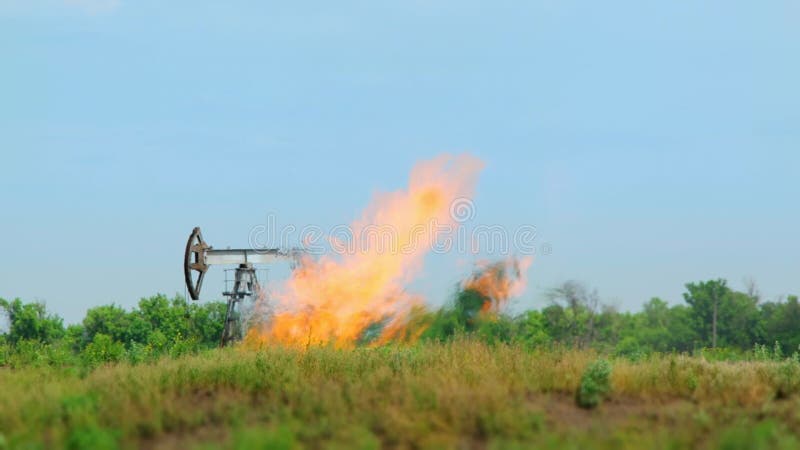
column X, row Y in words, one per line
column 650, row 143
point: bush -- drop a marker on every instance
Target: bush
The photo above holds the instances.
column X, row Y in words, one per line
column 28, row 352
column 5, row 354
column 183, row 346
column 103, row 349
column 30, row 321
column 92, row 437
column 595, row 384
column 786, row 378
column 157, row 341
column 495, row 329
column 282, row 438
column 532, row 330
column 140, row 353
column 629, row 348
column 762, row 436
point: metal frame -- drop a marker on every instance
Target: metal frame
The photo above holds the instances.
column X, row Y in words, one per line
column 199, row 256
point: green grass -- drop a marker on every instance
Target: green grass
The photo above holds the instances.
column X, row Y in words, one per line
column 462, row 394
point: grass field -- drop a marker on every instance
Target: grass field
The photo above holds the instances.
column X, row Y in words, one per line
column 463, row 394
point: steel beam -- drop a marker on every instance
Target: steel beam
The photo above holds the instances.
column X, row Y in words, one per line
column 244, row 256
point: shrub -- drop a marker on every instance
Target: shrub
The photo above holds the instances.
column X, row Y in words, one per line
column 532, row 330
column 5, row 354
column 786, row 378
column 761, row 436
column 28, row 352
column 595, row 384
column 762, row 353
column 92, row 437
column 629, row 348
column 281, row 438
column 183, row 346
column 103, row 349
column 30, row 321
column 495, row 329
column 140, row 353
column 157, row 341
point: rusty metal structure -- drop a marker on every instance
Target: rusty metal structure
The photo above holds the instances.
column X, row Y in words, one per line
column 199, row 256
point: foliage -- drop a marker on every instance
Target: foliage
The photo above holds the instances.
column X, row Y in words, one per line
column 595, row 384
column 30, row 321
column 464, row 375
column 157, row 326
column 464, row 315
column 573, row 313
column 780, row 321
column 160, row 326
column 456, row 394
column 531, row 330
column 734, row 314
column 103, row 349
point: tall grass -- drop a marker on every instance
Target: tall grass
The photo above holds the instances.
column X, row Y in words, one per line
column 457, row 394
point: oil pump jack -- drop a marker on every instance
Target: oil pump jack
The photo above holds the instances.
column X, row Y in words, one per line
column 199, row 256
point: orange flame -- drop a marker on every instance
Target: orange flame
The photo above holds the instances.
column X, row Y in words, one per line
column 333, row 300
column 498, row 281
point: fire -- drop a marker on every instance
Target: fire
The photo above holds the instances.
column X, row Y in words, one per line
column 337, row 298
column 498, row 281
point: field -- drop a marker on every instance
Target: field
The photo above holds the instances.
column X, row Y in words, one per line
column 460, row 394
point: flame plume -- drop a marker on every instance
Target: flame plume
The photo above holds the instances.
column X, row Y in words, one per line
column 498, row 281
column 335, row 299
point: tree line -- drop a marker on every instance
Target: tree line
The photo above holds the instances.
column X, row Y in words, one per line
column 712, row 316
column 158, row 325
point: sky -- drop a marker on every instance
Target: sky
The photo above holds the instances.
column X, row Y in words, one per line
column 650, row 143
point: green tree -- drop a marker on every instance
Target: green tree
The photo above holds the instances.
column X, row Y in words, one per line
column 577, row 312
column 681, row 331
column 103, row 349
column 171, row 317
column 532, row 329
column 462, row 316
column 724, row 317
column 206, row 322
column 468, row 305
column 116, row 323
column 31, row 321
column 657, row 328
column 75, row 337
column 557, row 324
column 610, row 326
column 781, row 322
column 655, row 324
column 705, row 298
column 741, row 324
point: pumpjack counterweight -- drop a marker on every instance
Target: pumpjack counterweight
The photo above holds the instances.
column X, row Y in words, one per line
column 199, row 256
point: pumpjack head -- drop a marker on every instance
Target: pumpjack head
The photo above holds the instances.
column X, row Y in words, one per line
column 195, row 261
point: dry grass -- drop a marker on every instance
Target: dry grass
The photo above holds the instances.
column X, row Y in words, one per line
column 459, row 394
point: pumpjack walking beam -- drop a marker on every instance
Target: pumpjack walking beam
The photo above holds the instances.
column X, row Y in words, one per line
column 199, row 256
